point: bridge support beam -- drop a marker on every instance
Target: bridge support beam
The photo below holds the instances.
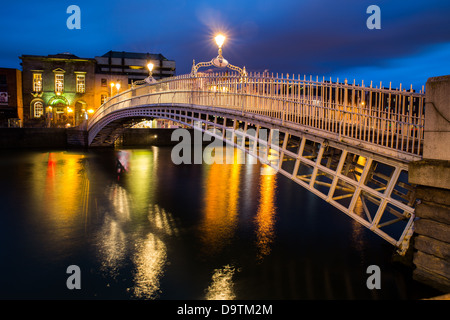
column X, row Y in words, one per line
column 432, row 177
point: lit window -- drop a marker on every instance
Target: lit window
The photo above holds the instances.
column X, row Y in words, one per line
column 38, row 109
column 37, row 82
column 81, row 83
column 59, row 82
column 103, row 98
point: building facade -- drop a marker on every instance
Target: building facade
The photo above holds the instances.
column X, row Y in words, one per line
column 118, row 70
column 64, row 90
column 133, row 65
column 11, row 104
column 58, row 90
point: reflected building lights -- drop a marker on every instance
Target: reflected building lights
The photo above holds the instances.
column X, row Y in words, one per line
column 221, row 204
column 149, row 252
column 150, row 258
column 265, row 218
column 121, row 203
column 140, row 181
column 111, row 238
column 357, row 228
column 162, row 220
column 58, row 197
column 222, row 286
column 112, row 247
column 66, row 191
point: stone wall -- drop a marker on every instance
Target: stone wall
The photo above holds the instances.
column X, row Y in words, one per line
column 432, row 229
column 25, row 138
column 432, row 177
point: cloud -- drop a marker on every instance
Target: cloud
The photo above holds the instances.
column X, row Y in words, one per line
column 306, row 37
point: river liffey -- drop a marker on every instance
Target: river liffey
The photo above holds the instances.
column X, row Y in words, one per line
column 152, row 229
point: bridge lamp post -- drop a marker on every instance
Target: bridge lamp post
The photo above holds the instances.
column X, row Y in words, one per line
column 150, row 78
column 118, row 86
column 150, row 69
column 219, row 61
column 220, row 39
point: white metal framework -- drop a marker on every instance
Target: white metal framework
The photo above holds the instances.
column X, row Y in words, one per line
column 348, row 144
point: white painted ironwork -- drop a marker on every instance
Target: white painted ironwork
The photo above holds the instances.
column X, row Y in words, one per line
column 387, row 121
column 348, row 144
column 219, row 61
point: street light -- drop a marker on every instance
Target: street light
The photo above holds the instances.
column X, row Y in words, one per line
column 219, row 61
column 220, row 39
column 150, row 78
column 70, row 113
column 118, row 86
column 150, row 68
column 112, row 84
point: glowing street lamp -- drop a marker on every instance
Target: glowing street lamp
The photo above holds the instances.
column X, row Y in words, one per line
column 150, row 68
column 220, row 39
column 112, row 84
column 150, row 78
column 118, row 86
column 219, row 61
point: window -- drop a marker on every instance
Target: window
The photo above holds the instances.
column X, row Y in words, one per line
column 38, row 109
column 59, row 82
column 37, row 82
column 103, row 98
column 104, row 82
column 81, row 83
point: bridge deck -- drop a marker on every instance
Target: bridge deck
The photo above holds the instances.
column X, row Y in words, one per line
column 391, row 119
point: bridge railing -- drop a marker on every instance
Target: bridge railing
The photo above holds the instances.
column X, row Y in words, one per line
column 384, row 117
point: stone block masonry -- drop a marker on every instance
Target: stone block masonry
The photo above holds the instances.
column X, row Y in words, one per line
column 432, row 177
column 432, row 238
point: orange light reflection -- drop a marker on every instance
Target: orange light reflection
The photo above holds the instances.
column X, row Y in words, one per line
column 265, row 218
column 221, row 204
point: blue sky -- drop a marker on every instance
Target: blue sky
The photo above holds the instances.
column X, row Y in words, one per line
column 312, row 37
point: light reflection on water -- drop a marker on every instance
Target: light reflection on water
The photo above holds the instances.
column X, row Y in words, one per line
column 222, row 287
column 149, row 258
column 155, row 230
column 265, row 218
column 221, row 200
column 112, row 239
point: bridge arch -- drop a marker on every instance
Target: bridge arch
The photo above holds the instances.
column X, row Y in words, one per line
column 351, row 154
column 367, row 187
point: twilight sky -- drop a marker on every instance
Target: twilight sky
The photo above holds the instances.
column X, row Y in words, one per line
column 313, row 37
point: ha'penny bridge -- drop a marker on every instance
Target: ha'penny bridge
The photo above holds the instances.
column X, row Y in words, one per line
column 348, row 144
column 353, row 145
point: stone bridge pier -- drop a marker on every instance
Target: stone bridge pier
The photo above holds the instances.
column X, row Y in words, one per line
column 431, row 255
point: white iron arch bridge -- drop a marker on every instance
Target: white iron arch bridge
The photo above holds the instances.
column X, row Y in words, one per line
column 348, row 144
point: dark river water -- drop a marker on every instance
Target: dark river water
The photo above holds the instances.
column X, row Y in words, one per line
column 164, row 231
